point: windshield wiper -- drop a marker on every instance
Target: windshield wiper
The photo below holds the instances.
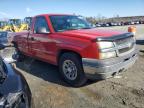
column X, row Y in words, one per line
column 79, row 28
column 73, row 29
column 86, row 28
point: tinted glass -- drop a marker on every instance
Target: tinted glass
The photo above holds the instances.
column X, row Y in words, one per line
column 41, row 22
column 65, row 22
column 3, row 34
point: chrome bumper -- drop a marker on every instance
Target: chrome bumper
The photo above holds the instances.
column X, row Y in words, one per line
column 102, row 69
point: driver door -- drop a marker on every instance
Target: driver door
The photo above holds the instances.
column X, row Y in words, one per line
column 40, row 42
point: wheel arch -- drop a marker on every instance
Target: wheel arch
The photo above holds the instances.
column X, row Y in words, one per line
column 62, row 51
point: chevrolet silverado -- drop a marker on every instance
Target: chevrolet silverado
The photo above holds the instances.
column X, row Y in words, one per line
column 80, row 51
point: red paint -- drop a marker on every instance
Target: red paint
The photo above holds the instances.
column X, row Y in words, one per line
column 46, row 47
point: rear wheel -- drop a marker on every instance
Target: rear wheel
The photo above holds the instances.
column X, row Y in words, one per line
column 71, row 69
column 18, row 55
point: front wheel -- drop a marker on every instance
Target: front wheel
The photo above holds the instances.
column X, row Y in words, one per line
column 71, row 69
column 18, row 56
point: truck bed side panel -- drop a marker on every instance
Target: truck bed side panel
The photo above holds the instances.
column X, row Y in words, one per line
column 22, row 42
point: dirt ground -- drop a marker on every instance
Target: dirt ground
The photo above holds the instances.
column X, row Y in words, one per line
column 123, row 91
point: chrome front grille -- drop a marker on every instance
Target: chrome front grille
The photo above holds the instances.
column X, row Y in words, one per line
column 125, row 45
column 124, row 41
column 123, row 50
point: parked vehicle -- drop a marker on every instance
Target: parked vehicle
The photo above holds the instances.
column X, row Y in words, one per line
column 126, row 23
column 141, row 22
column 119, row 24
column 131, row 23
column 110, row 23
column 105, row 25
column 12, row 25
column 5, row 37
column 98, row 25
column 14, row 90
column 136, row 22
column 114, row 24
column 122, row 23
column 16, row 25
column 28, row 20
column 80, row 52
column 2, row 24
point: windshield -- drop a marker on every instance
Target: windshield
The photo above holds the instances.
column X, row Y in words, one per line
column 28, row 20
column 15, row 21
column 2, row 24
column 65, row 22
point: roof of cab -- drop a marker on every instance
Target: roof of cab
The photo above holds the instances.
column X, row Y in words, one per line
column 53, row 15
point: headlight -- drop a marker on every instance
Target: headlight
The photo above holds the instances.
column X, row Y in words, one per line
column 105, row 45
column 105, row 55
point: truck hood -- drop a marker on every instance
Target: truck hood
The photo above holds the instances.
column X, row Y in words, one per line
column 90, row 33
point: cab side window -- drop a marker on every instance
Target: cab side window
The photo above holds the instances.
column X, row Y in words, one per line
column 41, row 22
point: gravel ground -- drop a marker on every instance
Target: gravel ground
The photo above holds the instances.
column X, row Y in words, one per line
column 49, row 91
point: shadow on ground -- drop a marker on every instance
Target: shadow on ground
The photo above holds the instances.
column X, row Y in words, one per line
column 44, row 71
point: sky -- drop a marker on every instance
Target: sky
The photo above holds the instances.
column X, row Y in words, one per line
column 107, row 8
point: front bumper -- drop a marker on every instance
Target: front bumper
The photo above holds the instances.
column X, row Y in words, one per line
column 102, row 69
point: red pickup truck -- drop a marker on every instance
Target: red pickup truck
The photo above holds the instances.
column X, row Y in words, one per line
column 80, row 51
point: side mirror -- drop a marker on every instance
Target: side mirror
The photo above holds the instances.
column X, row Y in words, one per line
column 42, row 30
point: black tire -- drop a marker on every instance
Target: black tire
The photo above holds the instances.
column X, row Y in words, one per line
column 18, row 56
column 80, row 77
